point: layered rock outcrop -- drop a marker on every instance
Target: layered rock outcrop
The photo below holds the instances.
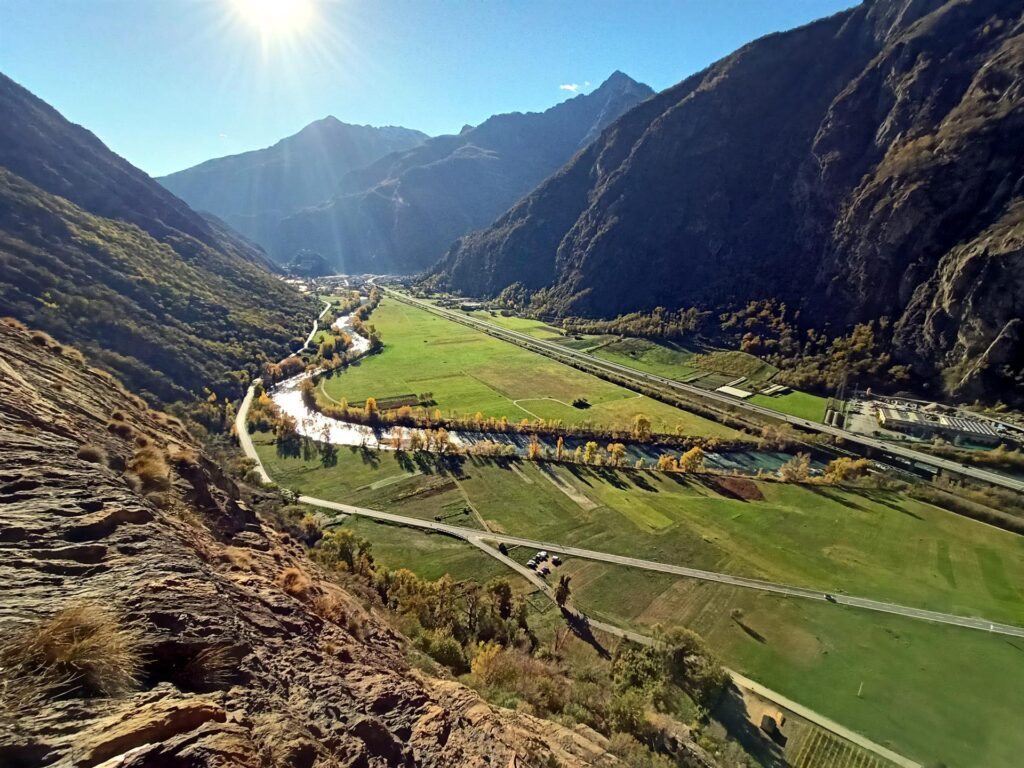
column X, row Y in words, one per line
column 237, row 665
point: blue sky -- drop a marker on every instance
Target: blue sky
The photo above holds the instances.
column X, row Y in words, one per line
column 170, row 83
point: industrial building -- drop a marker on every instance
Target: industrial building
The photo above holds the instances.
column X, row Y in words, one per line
column 928, row 425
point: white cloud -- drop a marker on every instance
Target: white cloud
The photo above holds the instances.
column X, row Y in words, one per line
column 222, row 135
column 586, row 83
column 571, row 87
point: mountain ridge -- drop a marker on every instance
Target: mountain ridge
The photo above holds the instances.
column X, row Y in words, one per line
column 401, row 212
column 96, row 253
column 820, row 167
column 251, row 189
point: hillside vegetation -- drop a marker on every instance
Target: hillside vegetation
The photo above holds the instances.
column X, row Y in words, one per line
column 95, row 253
column 860, row 168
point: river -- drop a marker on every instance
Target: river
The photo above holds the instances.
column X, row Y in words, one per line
column 312, row 424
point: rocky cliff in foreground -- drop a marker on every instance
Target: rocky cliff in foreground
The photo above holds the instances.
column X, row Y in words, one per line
column 867, row 165
column 203, row 645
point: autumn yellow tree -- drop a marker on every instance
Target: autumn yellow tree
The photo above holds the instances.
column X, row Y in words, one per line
column 616, row 451
column 559, row 447
column 533, row 450
column 641, row 427
column 692, row 460
column 846, row 468
column 370, row 407
column 797, row 469
column 667, row 463
column 590, row 452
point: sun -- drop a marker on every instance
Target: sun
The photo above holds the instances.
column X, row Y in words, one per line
column 276, row 17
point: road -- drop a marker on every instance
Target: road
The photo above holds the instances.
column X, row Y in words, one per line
column 561, row 353
column 242, row 429
column 479, row 539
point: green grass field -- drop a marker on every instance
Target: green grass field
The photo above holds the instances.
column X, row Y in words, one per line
column 802, row 404
column 428, row 555
column 661, row 358
column 917, row 676
column 536, row 328
column 930, row 692
column 468, row 372
column 870, row 544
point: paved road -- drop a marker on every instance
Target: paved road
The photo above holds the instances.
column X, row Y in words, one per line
column 479, row 539
column 557, row 351
column 475, row 536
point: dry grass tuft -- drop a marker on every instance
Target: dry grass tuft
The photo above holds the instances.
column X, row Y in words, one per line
column 296, row 583
column 121, row 429
column 239, row 557
column 42, row 339
column 330, row 604
column 150, row 466
column 73, row 354
column 92, row 453
column 13, row 322
column 184, row 457
column 212, row 668
column 82, row 650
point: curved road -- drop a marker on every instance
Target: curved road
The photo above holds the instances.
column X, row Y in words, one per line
column 559, row 352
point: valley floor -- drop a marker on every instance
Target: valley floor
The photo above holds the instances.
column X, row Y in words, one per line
column 867, row 543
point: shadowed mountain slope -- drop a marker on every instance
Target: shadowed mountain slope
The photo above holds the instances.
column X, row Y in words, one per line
column 867, row 165
column 98, row 254
column 254, row 190
column 401, row 213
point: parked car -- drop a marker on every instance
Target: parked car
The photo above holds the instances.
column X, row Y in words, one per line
column 556, row 560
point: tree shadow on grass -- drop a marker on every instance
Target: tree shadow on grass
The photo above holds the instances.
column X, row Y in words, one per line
column 369, row 456
column 578, row 471
column 580, row 626
column 832, row 496
column 885, row 499
column 731, row 711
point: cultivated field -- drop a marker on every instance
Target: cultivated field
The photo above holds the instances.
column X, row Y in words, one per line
column 871, row 544
column 467, row 371
column 932, row 692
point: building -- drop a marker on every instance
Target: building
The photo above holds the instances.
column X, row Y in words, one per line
column 927, row 425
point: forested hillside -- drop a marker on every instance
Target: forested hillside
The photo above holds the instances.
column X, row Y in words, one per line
column 96, row 253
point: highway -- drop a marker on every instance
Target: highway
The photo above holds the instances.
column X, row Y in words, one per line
column 561, row 353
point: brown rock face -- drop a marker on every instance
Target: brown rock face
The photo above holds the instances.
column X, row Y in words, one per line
column 234, row 670
column 867, row 165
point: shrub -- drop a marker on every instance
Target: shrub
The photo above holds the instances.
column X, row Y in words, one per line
column 82, row 650
column 445, row 649
column 92, row 453
column 295, row 582
column 150, row 466
column 120, row 428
